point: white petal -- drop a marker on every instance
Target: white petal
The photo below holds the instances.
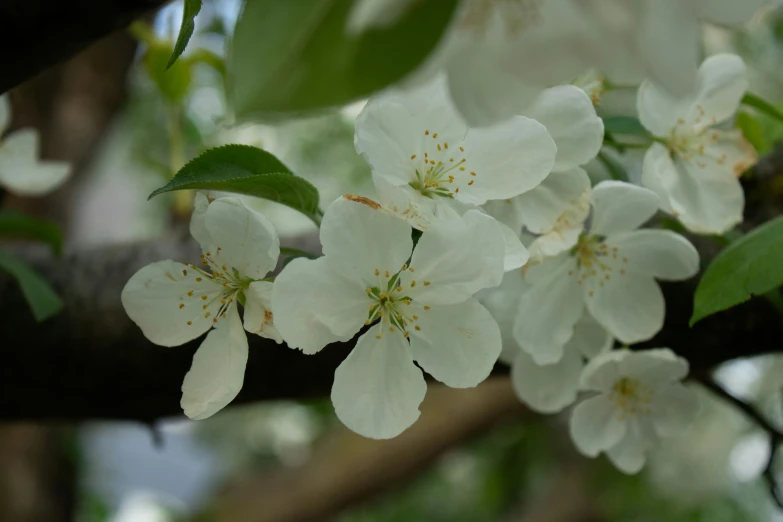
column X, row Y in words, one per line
column 668, row 38
column 704, row 195
column 484, row 91
column 658, row 169
column 455, row 259
column 5, row 112
column 22, row 172
column 656, row 367
column 662, row 254
column 198, row 226
column 549, row 309
column 457, row 344
column 603, row 371
column 629, row 455
column 407, row 204
column 506, row 211
column 377, row 389
column 629, row 305
column 560, row 201
column 722, row 84
column 590, row 338
column 152, row 299
column 247, row 240
column 729, row 149
column 508, row 159
column 729, row 12
column 516, row 255
column 316, row 303
column 501, row 302
column 258, row 317
column 356, row 234
column 218, row 369
column 570, row 118
column 390, row 129
column 620, row 207
column 596, row 426
column 674, row 410
column 658, row 109
column 554, row 242
column 547, row 388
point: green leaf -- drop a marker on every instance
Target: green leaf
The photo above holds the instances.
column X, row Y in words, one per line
column 292, row 56
column 172, row 81
column 752, row 265
column 624, row 125
column 751, row 129
column 191, row 9
column 18, row 225
column 751, row 100
column 39, row 295
column 247, row 170
column 295, row 252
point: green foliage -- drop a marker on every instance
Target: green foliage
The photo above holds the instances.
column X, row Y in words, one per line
column 616, row 171
column 624, row 125
column 751, row 100
column 298, row 56
column 18, row 225
column 190, row 10
column 752, row 265
column 753, row 132
column 43, row 302
column 247, row 170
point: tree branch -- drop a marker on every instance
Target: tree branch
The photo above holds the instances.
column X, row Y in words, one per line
column 91, row 361
column 38, row 34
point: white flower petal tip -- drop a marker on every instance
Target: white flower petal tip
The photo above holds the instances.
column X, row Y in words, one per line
column 639, row 400
column 377, row 389
column 218, row 370
column 695, row 168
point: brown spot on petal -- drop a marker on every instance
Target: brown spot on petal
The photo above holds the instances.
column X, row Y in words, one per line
column 365, row 201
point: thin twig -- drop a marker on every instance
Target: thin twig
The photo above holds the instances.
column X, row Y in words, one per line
column 775, row 435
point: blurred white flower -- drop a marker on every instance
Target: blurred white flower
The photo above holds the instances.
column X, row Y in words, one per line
column 639, row 400
column 21, row 170
column 611, row 273
column 695, row 168
column 499, row 55
column 422, row 311
column 174, row 303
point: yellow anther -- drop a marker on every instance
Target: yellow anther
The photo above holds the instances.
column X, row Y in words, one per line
column 181, row 306
column 377, row 272
column 203, row 298
column 214, row 320
column 413, row 156
column 207, row 314
column 190, row 294
column 435, row 135
column 462, row 149
column 427, row 283
column 413, row 283
column 591, row 293
column 462, row 168
column 190, row 323
column 198, row 279
column 426, row 307
column 224, row 268
column 223, row 315
column 417, row 327
column 472, row 173
column 411, row 269
column 415, row 317
column 185, row 272
column 386, row 273
column 204, row 307
column 445, row 144
column 426, row 133
column 222, row 301
column 439, row 147
column 470, row 182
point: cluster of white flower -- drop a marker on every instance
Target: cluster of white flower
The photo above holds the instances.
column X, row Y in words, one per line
column 488, row 241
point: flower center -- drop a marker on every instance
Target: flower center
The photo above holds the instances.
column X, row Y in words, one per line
column 230, row 283
column 440, row 170
column 689, row 140
column 390, row 305
column 596, row 260
column 631, row 397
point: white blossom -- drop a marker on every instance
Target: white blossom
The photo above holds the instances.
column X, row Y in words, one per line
column 420, row 148
column 695, row 167
column 174, row 303
column 638, row 400
column 22, row 172
column 419, row 304
column 610, row 273
column 556, row 209
column 499, row 55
